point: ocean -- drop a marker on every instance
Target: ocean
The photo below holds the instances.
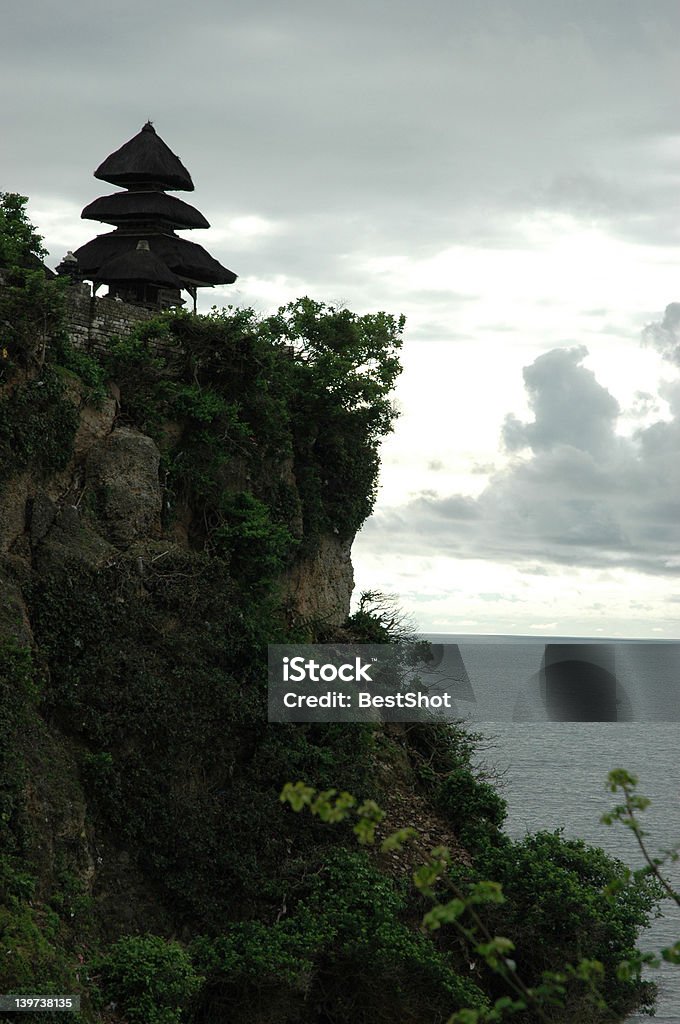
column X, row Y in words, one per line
column 553, row 773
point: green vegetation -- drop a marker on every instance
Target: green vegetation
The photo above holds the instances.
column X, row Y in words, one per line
column 37, row 425
column 345, row 948
column 306, row 388
column 31, row 304
column 18, row 693
column 152, row 980
column 19, row 241
column 554, row 931
column 35, row 957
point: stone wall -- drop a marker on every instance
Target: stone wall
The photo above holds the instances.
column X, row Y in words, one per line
column 93, row 321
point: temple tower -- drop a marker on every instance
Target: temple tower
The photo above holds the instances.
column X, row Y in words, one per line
column 143, row 260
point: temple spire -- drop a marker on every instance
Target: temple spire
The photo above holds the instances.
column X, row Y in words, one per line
column 155, row 273
column 144, row 161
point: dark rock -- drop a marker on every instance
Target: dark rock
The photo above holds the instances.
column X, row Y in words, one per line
column 41, row 515
column 122, row 473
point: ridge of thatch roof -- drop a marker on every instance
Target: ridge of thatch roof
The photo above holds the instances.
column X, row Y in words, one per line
column 145, row 159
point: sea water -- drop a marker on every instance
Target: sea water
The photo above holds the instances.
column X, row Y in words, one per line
column 553, row 774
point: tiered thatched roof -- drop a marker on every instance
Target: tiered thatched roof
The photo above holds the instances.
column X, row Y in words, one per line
column 147, row 168
column 138, row 264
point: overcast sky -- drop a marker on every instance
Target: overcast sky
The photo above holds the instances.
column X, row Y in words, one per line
column 505, row 174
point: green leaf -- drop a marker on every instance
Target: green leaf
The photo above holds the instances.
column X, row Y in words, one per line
column 486, row 892
column 297, row 794
column 396, row 840
column 444, row 913
column 671, row 954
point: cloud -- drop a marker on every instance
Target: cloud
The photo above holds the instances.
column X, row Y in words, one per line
column 575, row 492
column 665, row 335
column 570, row 408
column 409, row 127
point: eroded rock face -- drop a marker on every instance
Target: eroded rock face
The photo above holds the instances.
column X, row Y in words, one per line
column 122, row 475
column 70, row 540
column 111, row 494
column 321, row 587
column 95, row 423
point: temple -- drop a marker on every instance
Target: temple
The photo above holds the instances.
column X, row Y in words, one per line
column 143, row 261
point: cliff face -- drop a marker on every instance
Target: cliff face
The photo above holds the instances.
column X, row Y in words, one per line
column 166, row 510
column 103, row 513
column 110, row 496
column 319, row 586
column 92, row 533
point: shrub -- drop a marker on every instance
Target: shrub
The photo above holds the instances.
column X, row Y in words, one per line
column 557, row 909
column 31, row 304
column 469, row 802
column 151, row 979
column 255, row 546
column 344, row 950
column 37, row 425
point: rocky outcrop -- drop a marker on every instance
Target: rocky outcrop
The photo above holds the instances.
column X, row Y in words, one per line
column 96, row 422
column 122, row 474
column 319, row 587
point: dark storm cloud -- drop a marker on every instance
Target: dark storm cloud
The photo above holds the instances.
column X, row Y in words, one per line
column 409, row 127
column 578, row 494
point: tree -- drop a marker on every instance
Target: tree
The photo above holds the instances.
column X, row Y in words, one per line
column 31, row 302
column 20, row 244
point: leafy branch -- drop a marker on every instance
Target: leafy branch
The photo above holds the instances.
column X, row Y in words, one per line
column 626, row 813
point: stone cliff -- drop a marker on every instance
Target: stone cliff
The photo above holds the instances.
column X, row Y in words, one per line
column 100, row 516
column 168, row 505
column 110, row 496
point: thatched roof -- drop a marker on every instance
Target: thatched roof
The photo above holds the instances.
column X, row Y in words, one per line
column 188, row 260
column 138, row 265
column 145, row 159
column 127, row 207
